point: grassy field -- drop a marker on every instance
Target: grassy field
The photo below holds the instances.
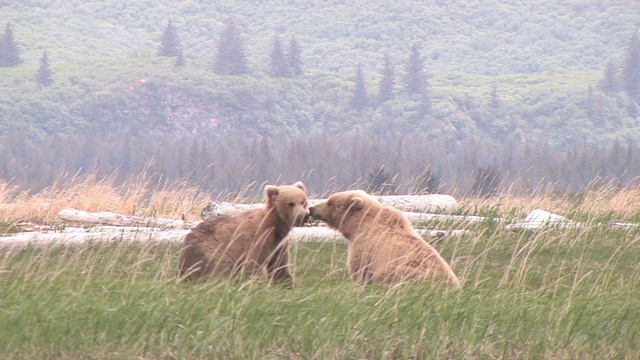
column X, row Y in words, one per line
column 552, row 293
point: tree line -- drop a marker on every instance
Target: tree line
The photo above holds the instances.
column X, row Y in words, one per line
column 402, row 144
column 237, row 164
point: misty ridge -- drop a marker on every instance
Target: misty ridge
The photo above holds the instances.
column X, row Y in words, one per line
column 472, row 97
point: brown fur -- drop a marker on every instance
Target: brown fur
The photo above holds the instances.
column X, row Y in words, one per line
column 383, row 245
column 251, row 243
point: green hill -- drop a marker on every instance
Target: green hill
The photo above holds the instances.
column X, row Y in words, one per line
column 480, row 37
column 500, row 71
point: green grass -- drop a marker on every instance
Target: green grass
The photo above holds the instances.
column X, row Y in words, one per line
column 560, row 294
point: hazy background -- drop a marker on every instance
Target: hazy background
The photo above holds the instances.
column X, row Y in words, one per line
column 510, row 94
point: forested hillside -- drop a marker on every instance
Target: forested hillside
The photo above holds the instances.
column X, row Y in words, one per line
column 479, row 93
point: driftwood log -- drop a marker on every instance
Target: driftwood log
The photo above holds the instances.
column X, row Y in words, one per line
column 114, row 219
column 113, row 234
column 109, row 218
column 113, row 227
column 432, row 203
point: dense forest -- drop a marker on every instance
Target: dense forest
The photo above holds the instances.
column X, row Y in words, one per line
column 405, row 96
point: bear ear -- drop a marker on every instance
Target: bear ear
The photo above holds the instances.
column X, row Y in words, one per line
column 271, row 192
column 300, row 185
column 357, row 203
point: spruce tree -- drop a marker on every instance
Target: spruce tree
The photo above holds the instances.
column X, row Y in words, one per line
column 387, row 81
column 427, row 182
column 360, row 99
column 381, row 182
column 415, row 78
column 294, row 57
column 179, row 60
column 231, row 58
column 169, row 43
column 609, row 82
column 279, row 65
column 495, row 96
column 631, row 70
column 44, row 77
column 486, row 182
column 590, row 103
column 9, row 53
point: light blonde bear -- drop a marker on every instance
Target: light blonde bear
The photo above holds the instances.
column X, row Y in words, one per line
column 252, row 243
column 383, row 245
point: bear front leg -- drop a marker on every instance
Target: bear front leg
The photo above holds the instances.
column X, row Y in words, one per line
column 359, row 268
column 278, row 266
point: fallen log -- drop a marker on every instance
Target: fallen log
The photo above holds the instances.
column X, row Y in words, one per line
column 417, row 218
column 538, row 218
column 109, row 218
column 431, row 203
column 105, row 235
column 39, row 239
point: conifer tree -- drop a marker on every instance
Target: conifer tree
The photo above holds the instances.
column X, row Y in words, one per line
column 495, row 96
column 360, row 99
column 169, row 43
column 387, row 81
column 44, row 76
column 609, row 82
column 486, row 182
column 294, row 57
column 9, row 52
column 590, row 103
column 179, row 60
column 415, row 78
column 279, row 64
column 428, row 182
column 231, row 58
column 631, row 70
column 381, row 182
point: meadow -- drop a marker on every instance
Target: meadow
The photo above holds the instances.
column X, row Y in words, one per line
column 527, row 294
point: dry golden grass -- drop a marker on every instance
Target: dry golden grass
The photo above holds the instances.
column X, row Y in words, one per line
column 140, row 196
column 622, row 202
column 135, row 197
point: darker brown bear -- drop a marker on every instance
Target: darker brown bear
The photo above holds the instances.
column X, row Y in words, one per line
column 251, row 243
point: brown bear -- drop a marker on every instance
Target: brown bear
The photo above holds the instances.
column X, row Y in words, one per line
column 383, row 245
column 251, row 243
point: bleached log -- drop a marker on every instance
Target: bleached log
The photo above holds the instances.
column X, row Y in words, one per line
column 109, row 218
column 417, row 218
column 102, row 235
column 431, row 203
column 39, row 239
column 537, row 218
column 625, row 225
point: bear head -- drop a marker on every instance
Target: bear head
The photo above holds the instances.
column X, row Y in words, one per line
column 289, row 203
column 346, row 210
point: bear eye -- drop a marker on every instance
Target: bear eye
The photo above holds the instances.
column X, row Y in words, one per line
column 292, row 204
column 330, row 203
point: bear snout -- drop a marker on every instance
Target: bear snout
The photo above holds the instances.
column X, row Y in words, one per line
column 314, row 213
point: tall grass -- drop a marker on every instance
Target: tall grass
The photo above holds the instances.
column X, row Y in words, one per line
column 136, row 196
column 551, row 293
